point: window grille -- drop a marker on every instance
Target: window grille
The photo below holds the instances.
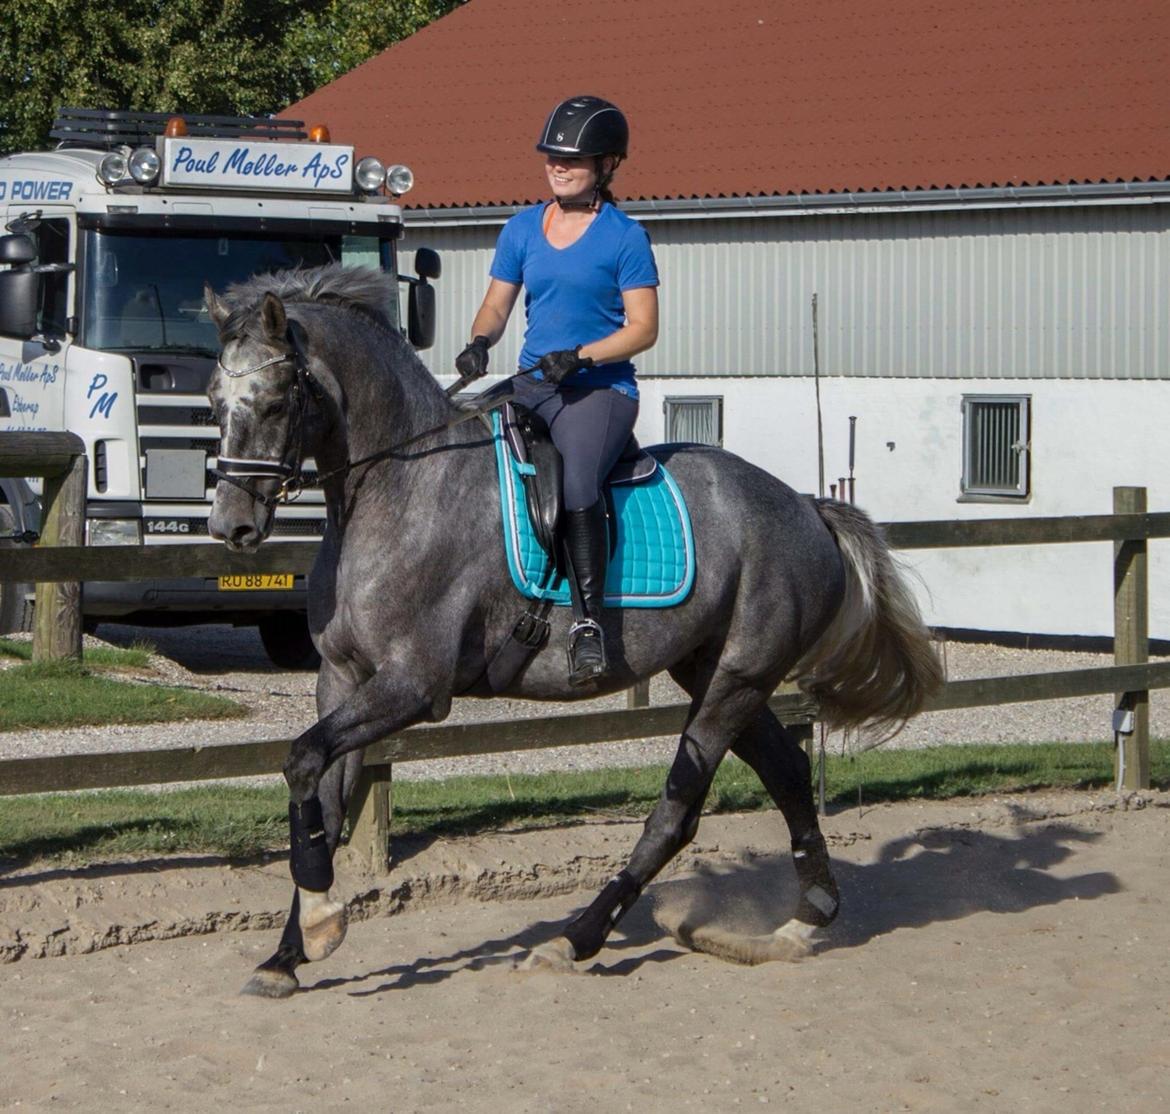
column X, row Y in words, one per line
column 996, row 445
column 698, row 419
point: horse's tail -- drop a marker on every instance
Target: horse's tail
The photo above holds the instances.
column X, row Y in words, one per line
column 874, row 667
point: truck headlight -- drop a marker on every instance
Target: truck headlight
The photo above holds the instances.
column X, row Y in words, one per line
column 369, row 174
column 144, row 165
column 112, row 168
column 113, row 531
column 399, row 180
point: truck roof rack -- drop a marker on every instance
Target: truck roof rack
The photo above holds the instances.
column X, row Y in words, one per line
column 106, row 128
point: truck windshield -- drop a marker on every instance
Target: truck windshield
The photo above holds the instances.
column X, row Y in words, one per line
column 144, row 292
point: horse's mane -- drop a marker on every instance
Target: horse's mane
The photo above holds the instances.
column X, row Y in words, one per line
column 364, row 289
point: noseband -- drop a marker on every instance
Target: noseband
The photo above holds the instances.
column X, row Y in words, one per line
column 236, row 470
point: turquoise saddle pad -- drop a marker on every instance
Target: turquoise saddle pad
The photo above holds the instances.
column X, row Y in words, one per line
column 653, row 564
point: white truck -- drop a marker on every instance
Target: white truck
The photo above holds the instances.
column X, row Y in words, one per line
column 109, row 240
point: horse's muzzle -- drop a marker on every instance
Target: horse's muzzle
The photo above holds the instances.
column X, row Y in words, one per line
column 238, row 521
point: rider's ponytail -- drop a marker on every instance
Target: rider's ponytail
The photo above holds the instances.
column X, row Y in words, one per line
column 603, row 179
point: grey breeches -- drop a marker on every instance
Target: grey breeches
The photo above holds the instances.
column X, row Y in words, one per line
column 589, row 428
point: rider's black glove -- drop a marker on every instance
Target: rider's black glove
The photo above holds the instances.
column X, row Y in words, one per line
column 558, row 366
column 472, row 362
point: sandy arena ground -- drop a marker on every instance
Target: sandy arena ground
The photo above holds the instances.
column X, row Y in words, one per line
column 1008, row 954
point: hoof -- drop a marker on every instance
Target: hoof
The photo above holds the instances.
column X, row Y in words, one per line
column 271, row 984
column 323, row 930
column 795, row 938
column 556, row 955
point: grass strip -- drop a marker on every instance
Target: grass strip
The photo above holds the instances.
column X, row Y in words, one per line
column 66, row 694
column 241, row 822
column 112, row 657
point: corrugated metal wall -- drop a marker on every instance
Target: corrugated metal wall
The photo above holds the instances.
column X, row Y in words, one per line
column 1076, row 292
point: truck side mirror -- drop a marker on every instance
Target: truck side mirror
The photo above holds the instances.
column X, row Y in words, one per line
column 427, row 263
column 18, row 304
column 18, row 287
column 17, row 250
column 420, row 306
column 420, row 319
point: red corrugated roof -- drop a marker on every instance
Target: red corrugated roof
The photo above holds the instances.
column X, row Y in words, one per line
column 761, row 97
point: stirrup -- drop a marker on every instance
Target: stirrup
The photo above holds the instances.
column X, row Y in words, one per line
column 586, row 652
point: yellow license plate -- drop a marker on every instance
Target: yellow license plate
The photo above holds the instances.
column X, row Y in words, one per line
column 256, row 582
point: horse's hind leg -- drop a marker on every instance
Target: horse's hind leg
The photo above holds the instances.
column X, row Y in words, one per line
column 727, row 705
column 276, row 977
column 783, row 767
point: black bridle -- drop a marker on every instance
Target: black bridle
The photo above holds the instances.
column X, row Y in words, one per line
column 236, row 470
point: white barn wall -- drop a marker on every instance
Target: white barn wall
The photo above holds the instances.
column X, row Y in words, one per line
column 1066, row 305
column 1087, row 437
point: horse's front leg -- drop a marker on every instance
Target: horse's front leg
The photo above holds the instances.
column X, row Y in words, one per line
column 276, row 976
column 382, row 706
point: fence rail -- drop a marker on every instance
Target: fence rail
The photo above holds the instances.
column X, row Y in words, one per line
column 207, row 559
column 1130, row 679
column 170, row 765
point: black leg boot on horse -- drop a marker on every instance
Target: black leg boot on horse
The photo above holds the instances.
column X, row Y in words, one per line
column 587, row 549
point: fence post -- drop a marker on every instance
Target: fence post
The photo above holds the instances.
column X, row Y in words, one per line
column 57, row 618
column 1131, row 642
column 370, row 809
column 639, row 695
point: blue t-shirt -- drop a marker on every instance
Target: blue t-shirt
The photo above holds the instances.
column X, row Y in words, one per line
column 573, row 295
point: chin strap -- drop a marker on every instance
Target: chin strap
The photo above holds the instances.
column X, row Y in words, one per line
column 580, row 206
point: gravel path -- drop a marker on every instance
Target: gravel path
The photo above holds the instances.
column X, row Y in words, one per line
column 232, row 662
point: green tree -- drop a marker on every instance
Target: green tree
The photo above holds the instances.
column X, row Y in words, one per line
column 200, row 56
column 342, row 34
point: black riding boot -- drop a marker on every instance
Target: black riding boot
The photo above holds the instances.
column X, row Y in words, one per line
column 588, row 551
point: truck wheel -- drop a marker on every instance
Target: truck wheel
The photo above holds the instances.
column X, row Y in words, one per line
column 287, row 640
column 15, row 611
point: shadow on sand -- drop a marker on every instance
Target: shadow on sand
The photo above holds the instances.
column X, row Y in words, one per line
column 940, row 874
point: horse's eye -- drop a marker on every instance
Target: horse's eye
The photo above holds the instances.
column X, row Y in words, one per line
column 274, row 409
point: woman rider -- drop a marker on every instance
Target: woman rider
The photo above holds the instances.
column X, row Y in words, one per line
column 591, row 301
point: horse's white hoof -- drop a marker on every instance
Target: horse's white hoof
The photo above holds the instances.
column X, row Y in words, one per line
column 271, row 984
column 556, row 955
column 795, row 938
column 322, row 930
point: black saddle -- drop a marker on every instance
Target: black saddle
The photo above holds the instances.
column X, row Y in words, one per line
column 530, row 442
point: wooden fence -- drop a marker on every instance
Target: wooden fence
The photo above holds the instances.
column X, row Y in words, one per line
column 60, row 559
column 59, row 459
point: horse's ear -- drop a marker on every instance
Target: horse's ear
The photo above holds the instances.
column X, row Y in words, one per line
column 273, row 318
column 217, row 311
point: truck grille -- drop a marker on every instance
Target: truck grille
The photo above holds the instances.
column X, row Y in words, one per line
column 208, row 445
column 282, row 528
column 175, row 415
column 186, row 423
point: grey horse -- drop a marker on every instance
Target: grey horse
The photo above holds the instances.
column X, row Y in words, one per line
column 410, row 596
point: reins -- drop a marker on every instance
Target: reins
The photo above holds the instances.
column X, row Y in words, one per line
column 467, row 414
column 235, row 470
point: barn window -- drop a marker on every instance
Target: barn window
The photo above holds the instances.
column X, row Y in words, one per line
column 996, row 445
column 698, row 419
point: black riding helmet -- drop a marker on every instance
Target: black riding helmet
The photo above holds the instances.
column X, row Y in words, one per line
column 585, row 126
